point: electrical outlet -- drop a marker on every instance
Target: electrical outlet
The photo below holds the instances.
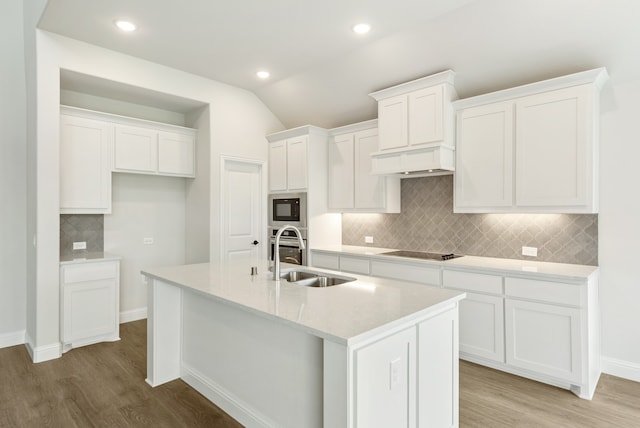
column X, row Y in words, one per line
column 147, row 241
column 530, row 251
column 80, row 245
column 368, row 239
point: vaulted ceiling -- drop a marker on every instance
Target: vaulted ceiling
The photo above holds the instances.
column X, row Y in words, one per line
column 321, row 72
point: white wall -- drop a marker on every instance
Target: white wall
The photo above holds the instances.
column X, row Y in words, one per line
column 144, row 206
column 238, row 120
column 619, row 229
column 13, row 173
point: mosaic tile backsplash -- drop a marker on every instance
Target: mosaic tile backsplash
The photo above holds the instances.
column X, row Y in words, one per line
column 81, row 227
column 427, row 223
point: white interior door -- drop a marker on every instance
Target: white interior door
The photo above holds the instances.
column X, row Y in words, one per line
column 242, row 210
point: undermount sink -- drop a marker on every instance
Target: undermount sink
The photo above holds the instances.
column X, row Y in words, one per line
column 314, row 279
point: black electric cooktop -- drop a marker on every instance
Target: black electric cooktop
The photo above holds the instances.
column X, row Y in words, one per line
column 422, row 255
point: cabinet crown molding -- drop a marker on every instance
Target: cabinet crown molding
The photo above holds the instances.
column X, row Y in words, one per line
column 296, row 132
column 597, row 77
column 354, row 127
column 447, row 77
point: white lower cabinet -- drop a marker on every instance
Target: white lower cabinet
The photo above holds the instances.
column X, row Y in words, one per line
column 355, row 265
column 89, row 303
column 407, row 272
column 482, row 326
column 544, row 338
column 481, row 314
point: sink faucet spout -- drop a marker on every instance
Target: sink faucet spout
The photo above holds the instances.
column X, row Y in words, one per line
column 276, row 248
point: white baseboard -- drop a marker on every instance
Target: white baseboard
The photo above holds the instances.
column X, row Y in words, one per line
column 40, row 354
column 232, row 405
column 12, row 339
column 133, row 315
column 620, row 368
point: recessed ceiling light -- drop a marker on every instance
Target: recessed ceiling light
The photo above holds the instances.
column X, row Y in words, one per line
column 263, row 74
column 361, row 28
column 126, row 25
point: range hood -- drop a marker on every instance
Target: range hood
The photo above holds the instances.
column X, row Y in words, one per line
column 418, row 161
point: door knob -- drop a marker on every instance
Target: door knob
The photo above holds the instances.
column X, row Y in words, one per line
column 255, row 242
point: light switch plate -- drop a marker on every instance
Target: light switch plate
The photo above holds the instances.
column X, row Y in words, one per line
column 368, row 239
column 530, row 251
column 147, row 241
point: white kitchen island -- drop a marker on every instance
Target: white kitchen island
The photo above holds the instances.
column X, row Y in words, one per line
column 369, row 353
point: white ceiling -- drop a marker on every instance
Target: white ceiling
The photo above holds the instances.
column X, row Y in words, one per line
column 322, row 72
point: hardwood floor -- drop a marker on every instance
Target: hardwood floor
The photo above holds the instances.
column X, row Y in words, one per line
column 490, row 398
column 98, row 386
column 103, row 386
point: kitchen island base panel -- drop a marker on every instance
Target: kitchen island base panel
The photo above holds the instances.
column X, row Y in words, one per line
column 268, row 373
column 265, row 369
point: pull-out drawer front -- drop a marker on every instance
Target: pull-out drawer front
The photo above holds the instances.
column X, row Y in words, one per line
column 326, row 261
column 475, row 282
column 546, row 291
column 89, row 272
column 355, row 265
column 406, row 272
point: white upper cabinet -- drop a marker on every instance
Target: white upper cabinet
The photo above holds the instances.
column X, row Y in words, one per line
column 555, row 149
column 149, row 150
column 288, row 164
column 85, row 165
column 352, row 187
column 415, row 121
column 530, row 149
column 485, row 157
column 176, row 154
column 136, row 149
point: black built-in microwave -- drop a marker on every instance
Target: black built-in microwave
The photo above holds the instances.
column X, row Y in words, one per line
column 288, row 208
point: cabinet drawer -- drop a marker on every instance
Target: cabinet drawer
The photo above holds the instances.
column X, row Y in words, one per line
column 477, row 282
column 545, row 291
column 355, row 265
column 89, row 272
column 327, row 261
column 406, row 272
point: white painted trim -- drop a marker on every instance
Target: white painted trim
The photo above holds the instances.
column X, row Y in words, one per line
column 13, row 338
column 231, row 404
column 42, row 353
column 621, row 368
column 133, row 315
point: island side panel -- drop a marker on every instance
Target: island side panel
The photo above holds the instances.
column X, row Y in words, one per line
column 438, row 365
column 164, row 323
column 259, row 370
column 337, row 386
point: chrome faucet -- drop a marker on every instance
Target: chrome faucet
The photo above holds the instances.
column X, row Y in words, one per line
column 276, row 248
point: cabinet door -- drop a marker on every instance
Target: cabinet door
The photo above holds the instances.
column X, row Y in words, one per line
column 341, row 172
column 369, row 188
column 85, row 166
column 90, row 310
column 543, row 338
column 484, row 158
column 297, row 163
column 392, row 122
column 482, row 326
column 278, row 166
column 426, row 115
column 136, row 149
column 386, row 382
column 554, row 149
column 176, row 154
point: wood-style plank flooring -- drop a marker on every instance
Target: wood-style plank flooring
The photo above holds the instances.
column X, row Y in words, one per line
column 103, row 386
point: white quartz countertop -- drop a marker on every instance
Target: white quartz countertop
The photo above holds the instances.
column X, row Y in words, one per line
column 345, row 313
column 87, row 257
column 547, row 270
